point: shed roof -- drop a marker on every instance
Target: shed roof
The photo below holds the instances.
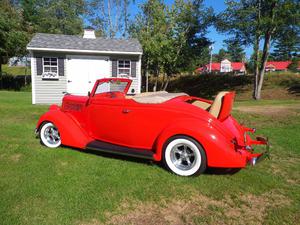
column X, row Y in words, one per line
column 75, row 43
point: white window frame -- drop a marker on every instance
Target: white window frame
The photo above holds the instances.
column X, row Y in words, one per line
column 118, row 74
column 50, row 64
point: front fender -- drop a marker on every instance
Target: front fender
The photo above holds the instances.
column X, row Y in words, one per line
column 220, row 152
column 70, row 130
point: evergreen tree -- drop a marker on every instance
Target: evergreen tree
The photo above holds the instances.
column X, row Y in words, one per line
column 287, row 46
column 235, row 50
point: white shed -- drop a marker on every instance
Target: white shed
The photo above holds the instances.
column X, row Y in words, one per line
column 71, row 63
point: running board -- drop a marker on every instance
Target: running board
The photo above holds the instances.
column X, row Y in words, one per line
column 120, row 150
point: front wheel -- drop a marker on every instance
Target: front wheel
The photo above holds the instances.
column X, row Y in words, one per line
column 184, row 156
column 49, row 135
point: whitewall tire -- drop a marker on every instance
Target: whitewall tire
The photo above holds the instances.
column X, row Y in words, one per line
column 50, row 135
column 184, row 156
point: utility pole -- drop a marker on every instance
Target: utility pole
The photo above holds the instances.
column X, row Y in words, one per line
column 210, row 61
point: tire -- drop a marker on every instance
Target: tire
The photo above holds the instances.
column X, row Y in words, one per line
column 184, row 156
column 50, row 135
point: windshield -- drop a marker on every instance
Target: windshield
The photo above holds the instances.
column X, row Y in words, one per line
column 111, row 86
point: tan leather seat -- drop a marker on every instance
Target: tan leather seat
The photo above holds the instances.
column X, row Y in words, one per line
column 202, row 105
column 217, row 104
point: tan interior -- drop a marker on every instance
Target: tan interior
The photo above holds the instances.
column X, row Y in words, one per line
column 216, row 105
column 202, row 105
column 154, row 97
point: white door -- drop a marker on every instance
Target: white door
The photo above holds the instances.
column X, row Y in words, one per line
column 83, row 71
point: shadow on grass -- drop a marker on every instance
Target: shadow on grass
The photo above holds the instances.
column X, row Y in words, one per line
column 209, row 171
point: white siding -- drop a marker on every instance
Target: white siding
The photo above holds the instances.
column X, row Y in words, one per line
column 49, row 91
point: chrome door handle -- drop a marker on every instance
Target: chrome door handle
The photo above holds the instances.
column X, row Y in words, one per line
column 126, row 110
column 69, row 81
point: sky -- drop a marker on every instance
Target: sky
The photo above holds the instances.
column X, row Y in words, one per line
column 213, row 35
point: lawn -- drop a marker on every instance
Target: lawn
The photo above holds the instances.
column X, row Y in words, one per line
column 16, row 70
column 66, row 186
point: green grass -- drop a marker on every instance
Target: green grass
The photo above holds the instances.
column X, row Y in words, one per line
column 16, row 70
column 66, row 186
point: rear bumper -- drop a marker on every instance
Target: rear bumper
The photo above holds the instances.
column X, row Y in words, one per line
column 254, row 158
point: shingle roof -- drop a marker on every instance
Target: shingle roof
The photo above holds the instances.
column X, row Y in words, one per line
column 74, row 42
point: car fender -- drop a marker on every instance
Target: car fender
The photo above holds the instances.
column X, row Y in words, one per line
column 70, row 131
column 220, row 152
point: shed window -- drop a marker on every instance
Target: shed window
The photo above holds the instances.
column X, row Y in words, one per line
column 50, row 65
column 124, row 68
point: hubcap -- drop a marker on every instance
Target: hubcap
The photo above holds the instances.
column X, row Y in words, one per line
column 183, row 156
column 52, row 136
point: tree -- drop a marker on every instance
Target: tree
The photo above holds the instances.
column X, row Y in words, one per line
column 13, row 34
column 54, row 16
column 235, row 50
column 254, row 22
column 287, row 46
column 109, row 16
column 222, row 54
column 295, row 64
column 172, row 37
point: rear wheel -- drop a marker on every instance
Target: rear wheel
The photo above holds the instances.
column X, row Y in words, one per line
column 50, row 135
column 184, row 156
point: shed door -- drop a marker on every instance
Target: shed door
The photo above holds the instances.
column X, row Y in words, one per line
column 83, row 71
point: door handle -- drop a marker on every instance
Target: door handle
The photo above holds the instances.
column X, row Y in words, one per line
column 69, row 81
column 126, row 111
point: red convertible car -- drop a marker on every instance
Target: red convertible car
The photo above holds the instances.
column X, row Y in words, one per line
column 188, row 134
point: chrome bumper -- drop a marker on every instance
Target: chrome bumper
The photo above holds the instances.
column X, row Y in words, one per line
column 256, row 158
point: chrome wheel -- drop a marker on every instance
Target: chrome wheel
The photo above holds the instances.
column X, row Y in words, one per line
column 50, row 135
column 183, row 156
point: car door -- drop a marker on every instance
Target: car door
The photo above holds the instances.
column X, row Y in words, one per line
column 106, row 110
column 105, row 118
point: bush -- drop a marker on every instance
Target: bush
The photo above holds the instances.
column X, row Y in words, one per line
column 9, row 82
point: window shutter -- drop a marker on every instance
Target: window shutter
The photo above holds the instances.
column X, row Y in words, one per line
column 61, row 66
column 133, row 68
column 39, row 66
column 114, row 68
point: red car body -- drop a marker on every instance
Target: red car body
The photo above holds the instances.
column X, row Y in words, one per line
column 126, row 126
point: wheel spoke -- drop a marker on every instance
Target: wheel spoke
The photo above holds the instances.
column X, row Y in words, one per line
column 187, row 159
column 184, row 148
column 178, row 162
column 176, row 150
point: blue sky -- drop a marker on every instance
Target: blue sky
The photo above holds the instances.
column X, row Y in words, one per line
column 213, row 35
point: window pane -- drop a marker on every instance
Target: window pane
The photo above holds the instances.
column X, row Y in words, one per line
column 46, row 69
column 124, row 71
column 54, row 69
column 53, row 63
column 46, row 63
column 46, row 59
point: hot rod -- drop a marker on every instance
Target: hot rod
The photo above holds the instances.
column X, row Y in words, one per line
column 188, row 134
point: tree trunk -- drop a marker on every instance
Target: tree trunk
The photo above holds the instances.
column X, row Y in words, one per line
column 256, row 65
column 162, row 82
column 147, row 76
column 263, row 63
column 167, row 83
column 155, row 85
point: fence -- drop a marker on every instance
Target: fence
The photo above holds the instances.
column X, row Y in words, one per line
column 9, row 82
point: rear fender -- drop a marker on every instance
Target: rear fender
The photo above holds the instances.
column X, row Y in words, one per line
column 220, row 152
column 70, row 131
